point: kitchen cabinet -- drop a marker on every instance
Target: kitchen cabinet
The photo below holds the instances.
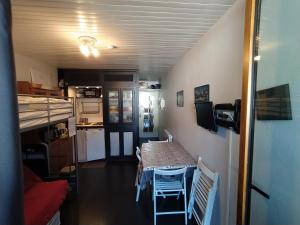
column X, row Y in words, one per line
column 81, row 145
column 91, row 144
column 95, row 144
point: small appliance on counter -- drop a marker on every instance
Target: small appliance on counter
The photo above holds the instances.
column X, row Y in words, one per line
column 88, row 92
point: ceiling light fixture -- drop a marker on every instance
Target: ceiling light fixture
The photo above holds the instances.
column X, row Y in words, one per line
column 88, row 46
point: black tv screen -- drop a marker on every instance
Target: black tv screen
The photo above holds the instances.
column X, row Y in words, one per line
column 274, row 103
column 205, row 115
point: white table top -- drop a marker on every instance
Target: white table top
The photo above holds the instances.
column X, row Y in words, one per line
column 165, row 155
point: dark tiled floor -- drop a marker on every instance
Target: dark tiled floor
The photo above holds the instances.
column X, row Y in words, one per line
column 107, row 197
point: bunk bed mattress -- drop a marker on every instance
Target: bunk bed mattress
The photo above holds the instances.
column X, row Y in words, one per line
column 33, row 111
column 29, row 99
column 40, row 103
column 31, row 120
column 38, row 114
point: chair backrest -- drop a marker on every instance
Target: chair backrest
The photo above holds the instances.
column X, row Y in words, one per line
column 166, row 174
column 203, row 193
column 138, row 154
column 170, row 172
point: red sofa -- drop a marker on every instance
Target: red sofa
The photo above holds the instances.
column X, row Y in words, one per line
column 42, row 199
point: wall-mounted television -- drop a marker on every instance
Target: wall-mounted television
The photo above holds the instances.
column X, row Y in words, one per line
column 205, row 115
column 274, row 103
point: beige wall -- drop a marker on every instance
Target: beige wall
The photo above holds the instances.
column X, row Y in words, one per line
column 215, row 60
column 42, row 72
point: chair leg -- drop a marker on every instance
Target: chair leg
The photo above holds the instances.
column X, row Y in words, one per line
column 154, row 208
column 136, row 180
column 185, row 209
column 138, row 193
column 152, row 194
column 190, row 209
column 178, row 195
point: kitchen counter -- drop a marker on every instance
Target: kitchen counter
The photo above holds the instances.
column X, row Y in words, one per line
column 89, row 125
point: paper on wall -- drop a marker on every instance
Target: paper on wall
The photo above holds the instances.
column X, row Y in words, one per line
column 39, row 77
column 72, row 126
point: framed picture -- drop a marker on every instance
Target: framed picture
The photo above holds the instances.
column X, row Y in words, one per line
column 202, row 93
column 180, row 98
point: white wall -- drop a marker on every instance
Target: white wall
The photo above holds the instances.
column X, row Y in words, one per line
column 215, row 60
column 43, row 73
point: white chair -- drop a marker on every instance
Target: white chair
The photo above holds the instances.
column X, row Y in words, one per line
column 138, row 173
column 203, row 194
column 169, row 183
column 168, row 135
column 158, row 141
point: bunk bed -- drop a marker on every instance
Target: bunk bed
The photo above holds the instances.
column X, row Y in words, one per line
column 43, row 112
column 37, row 111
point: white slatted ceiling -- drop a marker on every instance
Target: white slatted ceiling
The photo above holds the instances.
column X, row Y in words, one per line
column 151, row 35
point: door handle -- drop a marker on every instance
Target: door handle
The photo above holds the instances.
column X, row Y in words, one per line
column 261, row 192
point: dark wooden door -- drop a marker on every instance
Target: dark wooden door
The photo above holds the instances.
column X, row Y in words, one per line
column 120, row 119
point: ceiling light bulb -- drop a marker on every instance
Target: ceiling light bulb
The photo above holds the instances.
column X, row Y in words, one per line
column 85, row 50
column 95, row 52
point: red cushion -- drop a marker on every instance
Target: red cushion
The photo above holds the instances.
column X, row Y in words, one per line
column 43, row 200
column 30, row 178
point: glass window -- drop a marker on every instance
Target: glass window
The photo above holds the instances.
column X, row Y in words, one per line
column 127, row 106
column 113, row 106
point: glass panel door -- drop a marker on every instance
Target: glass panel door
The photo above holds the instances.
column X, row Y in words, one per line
column 275, row 184
column 127, row 106
column 113, row 106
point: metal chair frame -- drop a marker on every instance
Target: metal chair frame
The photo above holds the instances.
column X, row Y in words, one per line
column 169, row 183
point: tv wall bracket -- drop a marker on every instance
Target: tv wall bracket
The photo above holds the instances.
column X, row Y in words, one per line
column 228, row 115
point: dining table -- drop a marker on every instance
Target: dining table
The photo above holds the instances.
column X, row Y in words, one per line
column 164, row 155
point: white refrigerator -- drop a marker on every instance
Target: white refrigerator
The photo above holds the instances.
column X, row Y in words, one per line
column 91, row 144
